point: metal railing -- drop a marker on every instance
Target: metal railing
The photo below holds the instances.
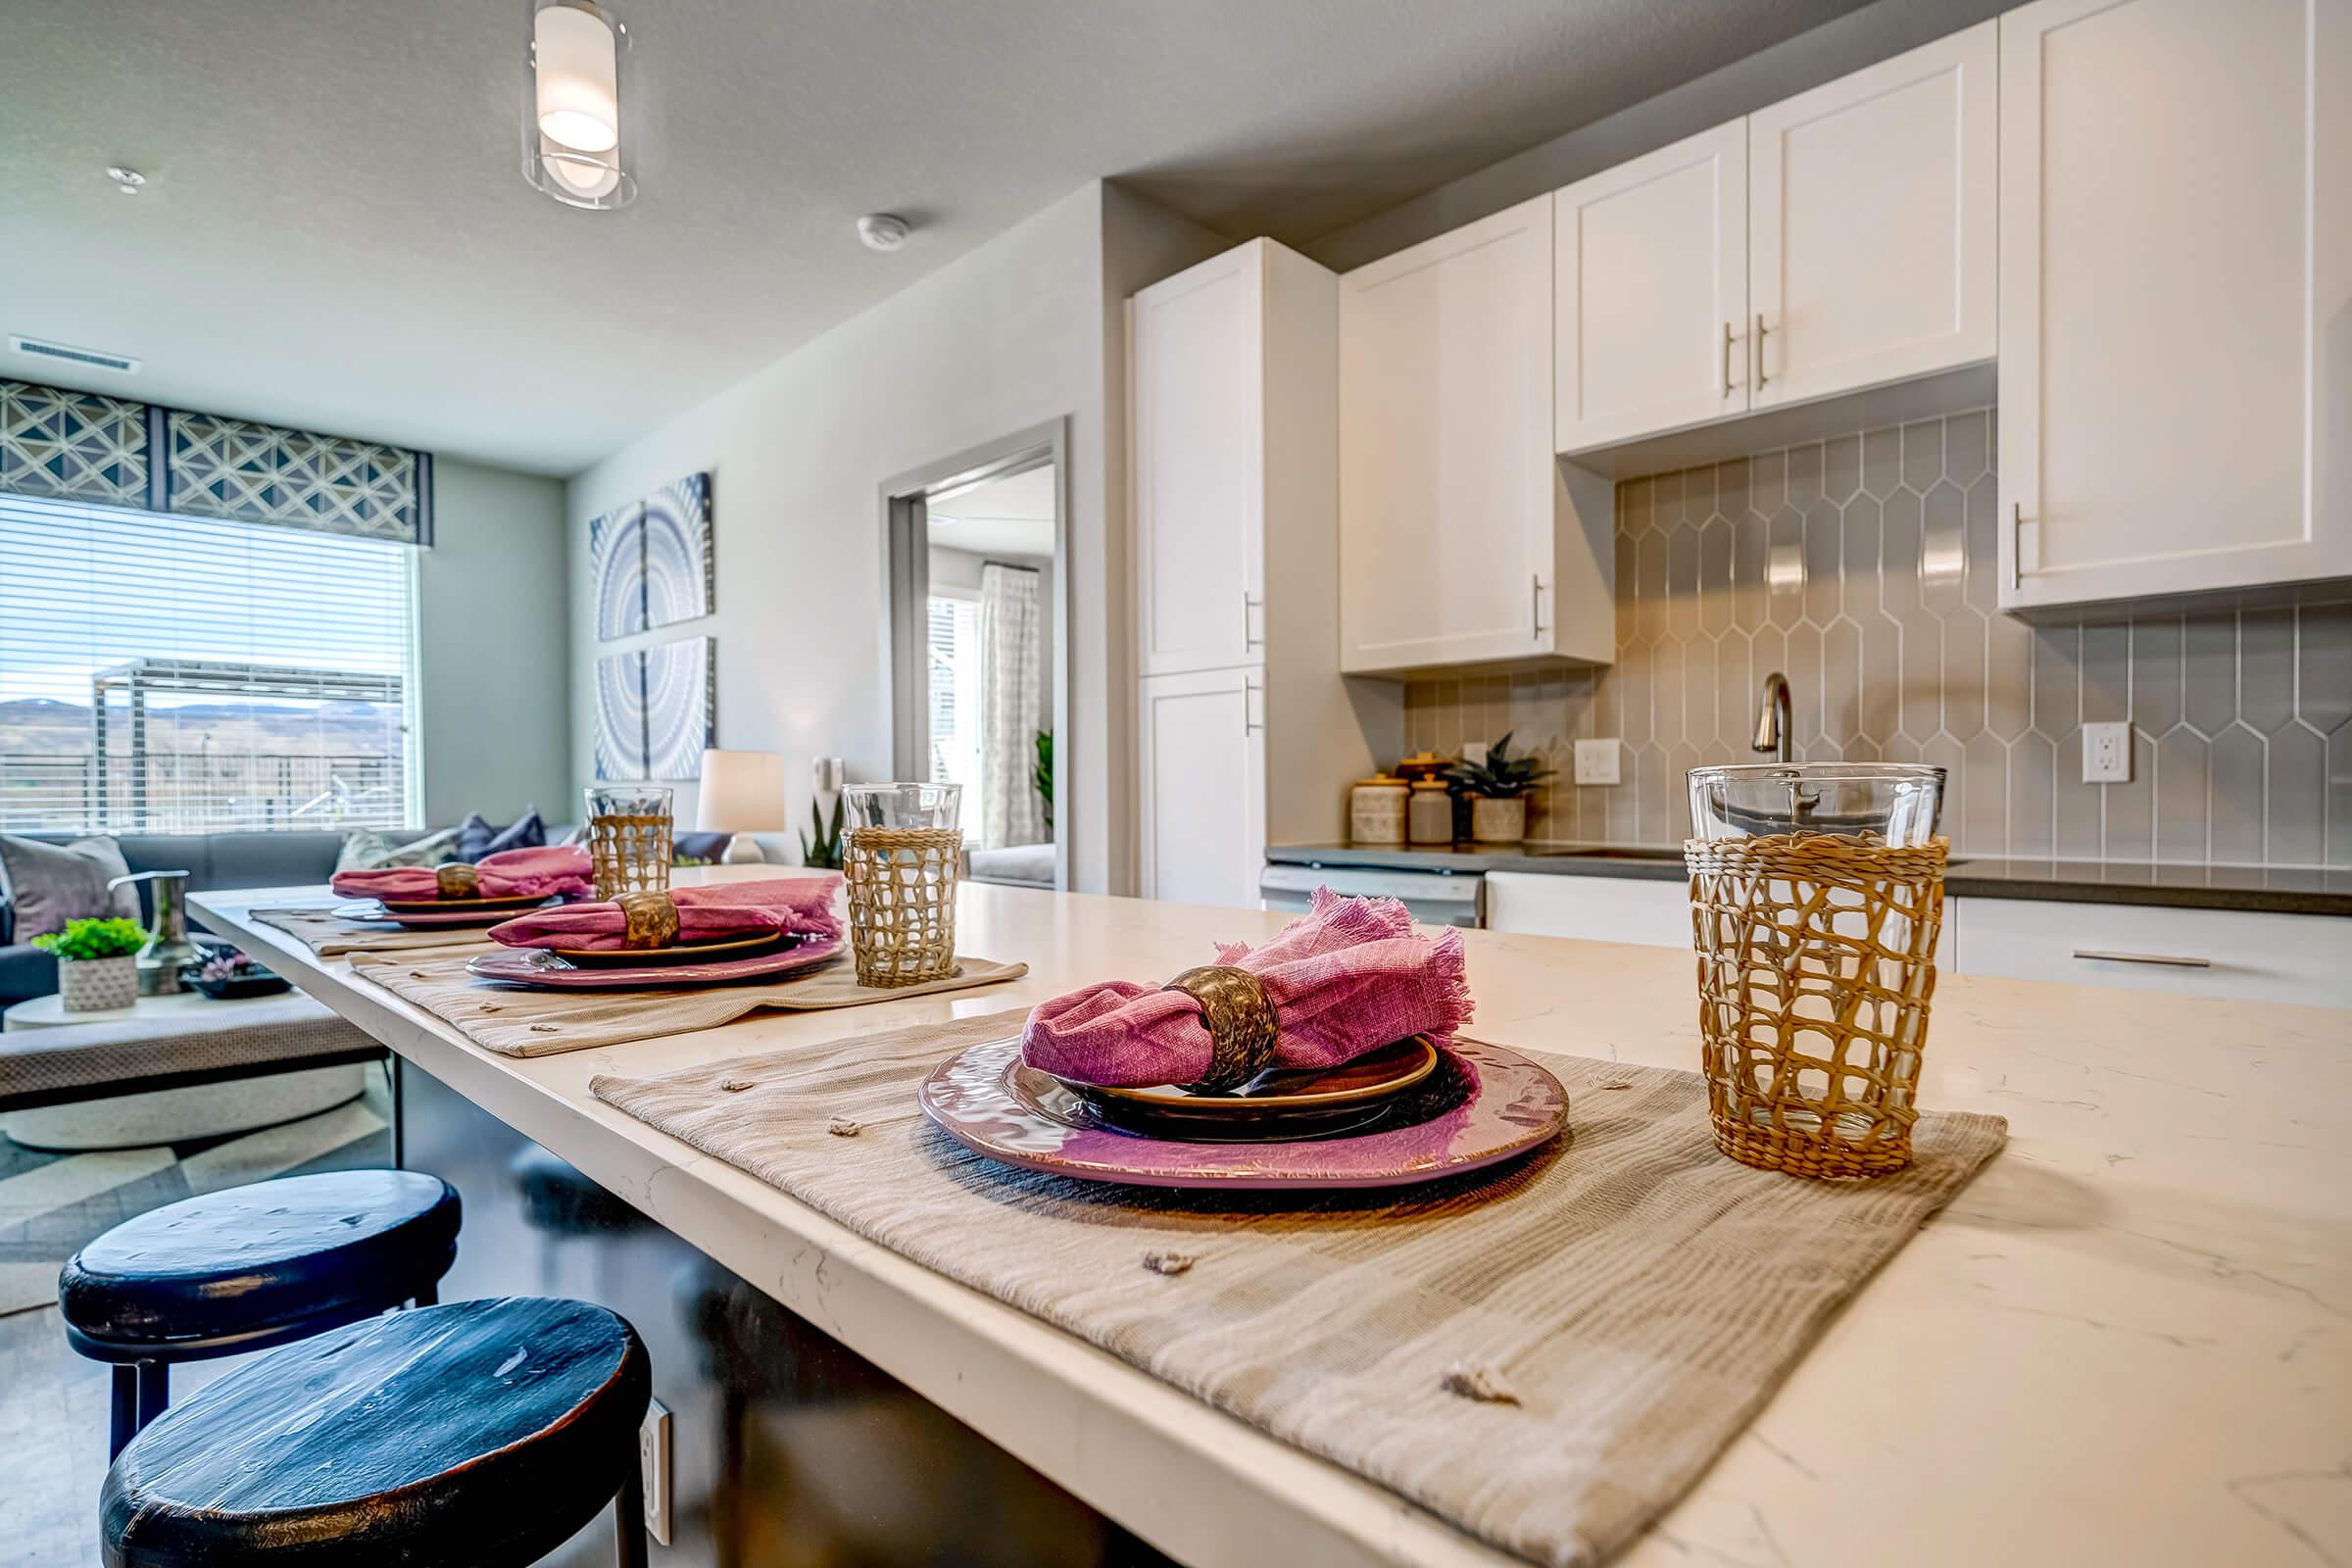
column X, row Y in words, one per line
column 186, row 792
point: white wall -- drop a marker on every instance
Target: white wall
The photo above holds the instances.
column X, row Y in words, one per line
column 493, row 656
column 1011, row 335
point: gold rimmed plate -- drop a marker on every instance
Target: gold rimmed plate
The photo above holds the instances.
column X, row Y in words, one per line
column 1373, row 1076
column 704, row 952
column 512, row 901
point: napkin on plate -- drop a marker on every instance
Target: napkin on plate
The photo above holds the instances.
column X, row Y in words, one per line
column 1347, row 977
column 542, row 871
column 801, row 906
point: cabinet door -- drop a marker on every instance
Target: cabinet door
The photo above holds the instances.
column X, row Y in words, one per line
column 1201, row 762
column 1650, row 292
column 2253, row 956
column 2174, row 278
column 1445, row 469
column 1873, row 205
column 1196, row 417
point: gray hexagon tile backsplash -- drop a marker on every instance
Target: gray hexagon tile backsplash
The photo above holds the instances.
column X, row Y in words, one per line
column 1864, row 568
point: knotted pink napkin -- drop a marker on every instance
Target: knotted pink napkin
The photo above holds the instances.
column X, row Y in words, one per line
column 542, row 871
column 802, row 906
column 1347, row 977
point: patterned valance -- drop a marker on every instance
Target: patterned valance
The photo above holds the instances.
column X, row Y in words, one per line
column 79, row 446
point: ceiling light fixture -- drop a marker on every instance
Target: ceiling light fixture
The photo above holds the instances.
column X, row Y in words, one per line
column 128, row 180
column 883, row 231
column 571, row 141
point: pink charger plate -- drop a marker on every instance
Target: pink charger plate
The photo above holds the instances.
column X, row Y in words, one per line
column 536, row 966
column 1500, row 1104
column 369, row 911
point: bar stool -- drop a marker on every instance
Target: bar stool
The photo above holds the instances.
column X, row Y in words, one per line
column 478, row 1435
column 250, row 1268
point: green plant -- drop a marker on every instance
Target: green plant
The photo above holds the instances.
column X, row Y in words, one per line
column 824, row 850
column 110, row 938
column 1042, row 775
column 1501, row 776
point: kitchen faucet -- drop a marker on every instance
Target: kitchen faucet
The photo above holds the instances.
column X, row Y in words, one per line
column 1775, row 722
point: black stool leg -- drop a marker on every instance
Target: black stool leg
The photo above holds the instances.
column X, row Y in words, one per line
column 123, row 1422
column 155, row 1389
column 628, row 1521
column 430, row 1295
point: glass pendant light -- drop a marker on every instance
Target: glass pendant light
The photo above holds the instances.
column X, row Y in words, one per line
column 572, row 147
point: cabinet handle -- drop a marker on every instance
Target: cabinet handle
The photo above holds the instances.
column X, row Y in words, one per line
column 1247, row 604
column 1727, row 359
column 2161, row 959
column 1535, row 602
column 2016, row 551
column 1249, row 727
column 1761, row 378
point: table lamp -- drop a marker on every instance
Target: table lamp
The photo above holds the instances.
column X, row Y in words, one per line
column 743, row 793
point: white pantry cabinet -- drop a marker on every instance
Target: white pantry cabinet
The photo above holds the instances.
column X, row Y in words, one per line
column 1872, row 210
column 1197, row 357
column 2175, row 279
column 1460, row 540
column 1650, row 292
column 1202, row 755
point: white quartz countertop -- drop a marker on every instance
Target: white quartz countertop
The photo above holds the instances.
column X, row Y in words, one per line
column 2129, row 1341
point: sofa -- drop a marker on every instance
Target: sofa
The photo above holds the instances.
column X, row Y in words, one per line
column 210, row 859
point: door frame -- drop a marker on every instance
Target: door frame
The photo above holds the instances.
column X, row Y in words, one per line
column 905, row 532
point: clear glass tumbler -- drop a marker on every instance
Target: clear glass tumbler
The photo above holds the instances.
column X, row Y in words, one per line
column 901, row 856
column 632, row 836
column 1816, row 896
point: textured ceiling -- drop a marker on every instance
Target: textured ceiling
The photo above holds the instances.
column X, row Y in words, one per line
column 337, row 234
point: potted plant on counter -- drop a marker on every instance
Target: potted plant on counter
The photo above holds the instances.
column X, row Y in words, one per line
column 1498, row 787
column 97, row 963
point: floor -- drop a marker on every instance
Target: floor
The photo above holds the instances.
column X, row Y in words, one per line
column 53, row 1404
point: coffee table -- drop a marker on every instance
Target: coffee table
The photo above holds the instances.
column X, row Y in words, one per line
column 145, row 1118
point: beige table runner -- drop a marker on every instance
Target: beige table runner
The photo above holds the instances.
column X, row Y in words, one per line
column 331, row 937
column 1549, row 1356
column 519, row 1021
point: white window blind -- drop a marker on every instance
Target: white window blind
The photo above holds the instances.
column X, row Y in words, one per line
column 955, row 697
column 172, row 674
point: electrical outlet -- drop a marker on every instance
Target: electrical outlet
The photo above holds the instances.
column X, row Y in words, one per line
column 1599, row 761
column 2107, row 754
column 653, row 1468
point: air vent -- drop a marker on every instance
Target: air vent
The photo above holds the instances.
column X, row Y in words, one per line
column 72, row 355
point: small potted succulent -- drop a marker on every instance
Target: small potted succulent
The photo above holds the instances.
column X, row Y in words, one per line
column 1497, row 788
column 97, row 963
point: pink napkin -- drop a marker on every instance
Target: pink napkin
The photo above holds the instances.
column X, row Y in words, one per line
column 1347, row 977
column 802, row 906
column 542, row 871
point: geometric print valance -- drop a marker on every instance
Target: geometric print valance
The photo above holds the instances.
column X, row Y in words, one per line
column 80, row 446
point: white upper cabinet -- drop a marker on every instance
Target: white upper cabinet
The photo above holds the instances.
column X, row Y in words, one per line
column 1197, row 418
column 1650, row 292
column 1871, row 245
column 2176, row 289
column 1460, row 542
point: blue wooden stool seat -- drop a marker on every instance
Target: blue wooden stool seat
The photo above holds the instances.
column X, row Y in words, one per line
column 250, row 1268
column 481, row 1434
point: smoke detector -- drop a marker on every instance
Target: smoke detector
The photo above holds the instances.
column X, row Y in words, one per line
column 127, row 179
column 883, row 231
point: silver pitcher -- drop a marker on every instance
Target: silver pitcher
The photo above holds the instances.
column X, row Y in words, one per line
column 167, row 946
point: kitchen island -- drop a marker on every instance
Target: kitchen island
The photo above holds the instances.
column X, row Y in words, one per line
column 2129, row 1340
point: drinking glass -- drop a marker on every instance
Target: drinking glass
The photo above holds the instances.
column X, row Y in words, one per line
column 631, row 838
column 1816, row 896
column 901, row 856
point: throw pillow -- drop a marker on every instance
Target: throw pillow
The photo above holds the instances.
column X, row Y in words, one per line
column 49, row 884
column 704, row 847
column 478, row 837
column 367, row 850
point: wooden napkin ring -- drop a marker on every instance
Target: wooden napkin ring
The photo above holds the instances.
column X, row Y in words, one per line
column 652, row 919
column 455, row 879
column 1241, row 1032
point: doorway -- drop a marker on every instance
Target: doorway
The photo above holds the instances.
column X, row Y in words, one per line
column 978, row 617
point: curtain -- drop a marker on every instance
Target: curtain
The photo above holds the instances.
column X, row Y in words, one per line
column 1011, row 812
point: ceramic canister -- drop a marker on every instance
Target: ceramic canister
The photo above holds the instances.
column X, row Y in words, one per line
column 1376, row 811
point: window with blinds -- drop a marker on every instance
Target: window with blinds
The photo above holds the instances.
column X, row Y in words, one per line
column 174, row 674
column 955, row 696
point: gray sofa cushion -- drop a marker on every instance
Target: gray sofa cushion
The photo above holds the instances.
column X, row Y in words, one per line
column 49, row 884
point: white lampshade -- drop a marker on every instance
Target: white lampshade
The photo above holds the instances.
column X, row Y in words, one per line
column 743, row 792
column 572, row 146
